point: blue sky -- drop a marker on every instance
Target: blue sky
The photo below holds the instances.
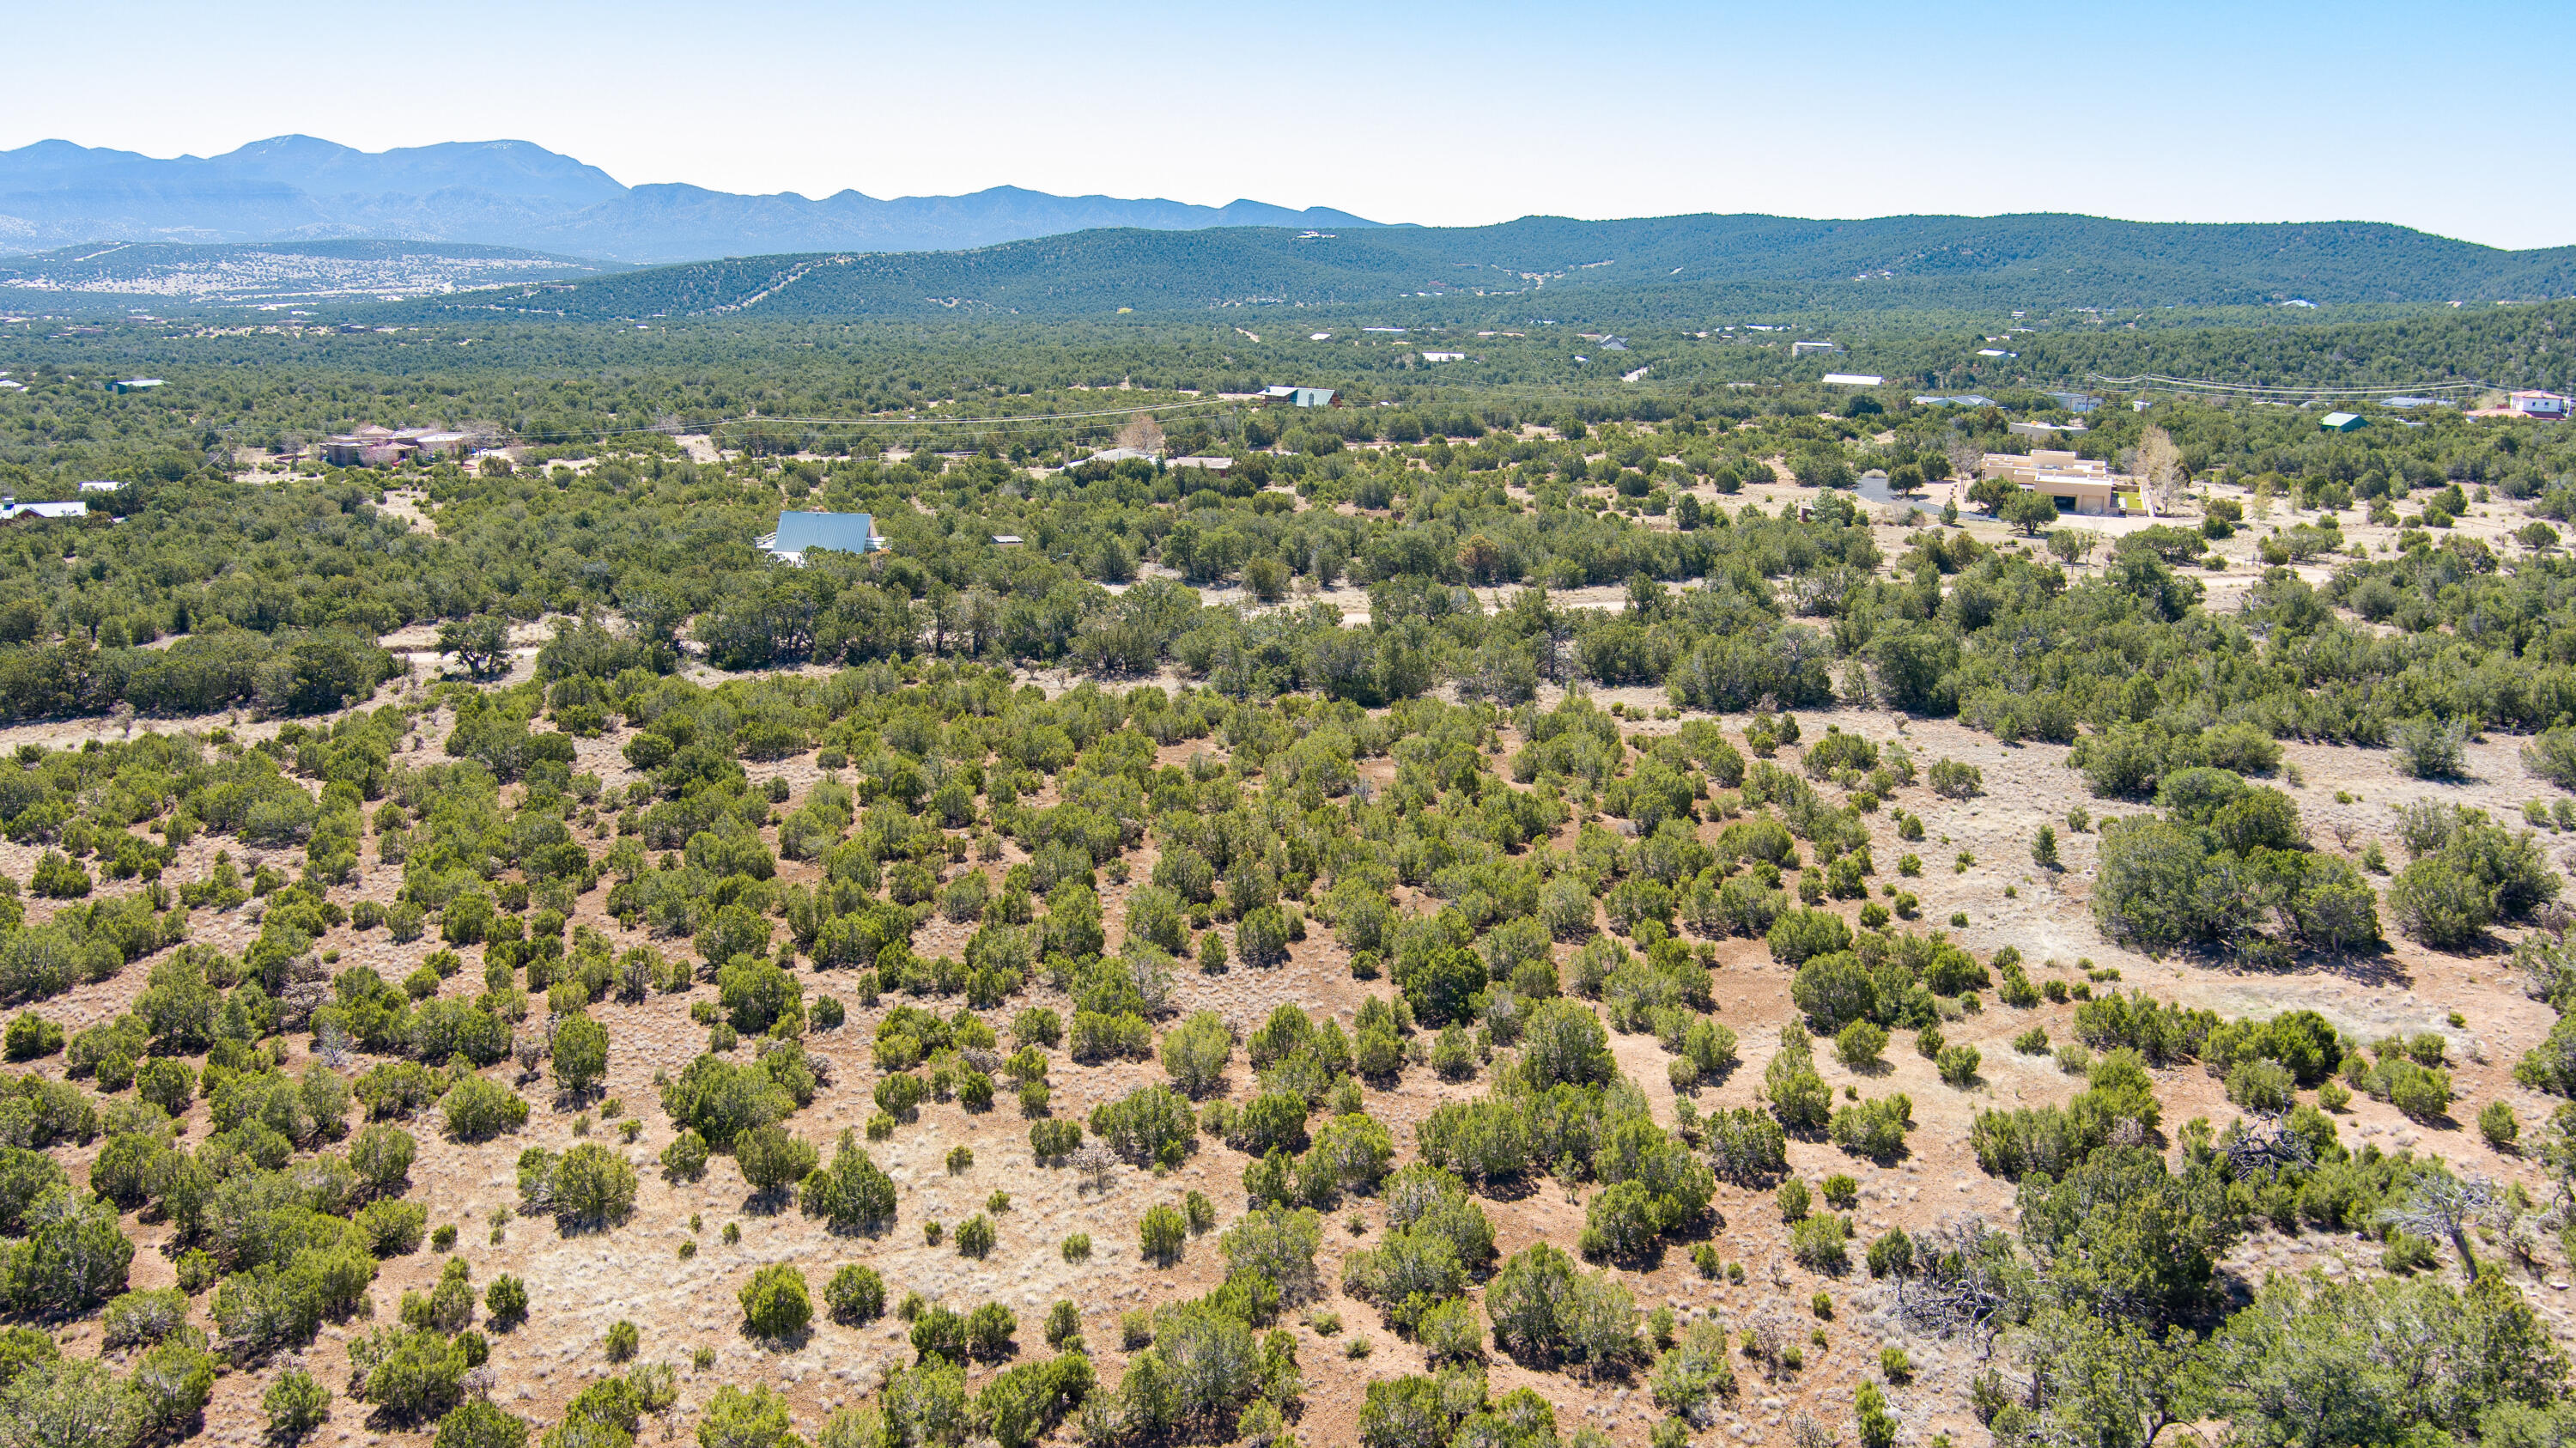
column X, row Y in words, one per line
column 2438, row 117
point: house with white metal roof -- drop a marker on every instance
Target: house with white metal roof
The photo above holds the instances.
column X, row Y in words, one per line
column 840, row 532
column 11, row 510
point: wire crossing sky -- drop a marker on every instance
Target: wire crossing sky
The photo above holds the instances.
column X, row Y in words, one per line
column 2435, row 117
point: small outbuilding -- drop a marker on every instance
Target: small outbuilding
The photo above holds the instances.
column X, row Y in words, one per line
column 2343, row 422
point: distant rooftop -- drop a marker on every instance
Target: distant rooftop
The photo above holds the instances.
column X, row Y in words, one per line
column 11, row 510
column 845, row 532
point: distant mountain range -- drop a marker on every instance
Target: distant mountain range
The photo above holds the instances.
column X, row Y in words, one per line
column 1670, row 267
column 297, row 219
column 516, row 194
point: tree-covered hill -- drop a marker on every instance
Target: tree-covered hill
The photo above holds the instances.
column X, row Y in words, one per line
column 1659, row 266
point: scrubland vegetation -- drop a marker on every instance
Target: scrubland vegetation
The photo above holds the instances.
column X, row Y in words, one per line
column 1418, row 986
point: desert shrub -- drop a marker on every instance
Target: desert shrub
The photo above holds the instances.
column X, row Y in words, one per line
column 1100, row 1036
column 2420, row 1093
column 774, row 1303
column 1861, row 1045
column 392, row 1227
column 166, row 1083
column 1545, row 1310
column 580, row 1054
column 591, row 1186
column 506, row 1300
column 73, row 1256
column 1694, row 1379
column 171, row 1384
column 1745, row 1146
column 2261, row 1084
column 1799, row 1097
column 989, row 1330
column 1870, row 1415
column 128, row 1168
column 2159, row 1032
column 1892, row 1254
column 1279, row 1244
column 1953, row 780
column 1272, row 1121
column 1063, row 1325
column 853, row 1193
column 1150, row 1126
column 1053, row 1140
column 856, row 1294
column 31, row 1036
column 57, row 876
column 753, row 1418
column 2497, row 1124
column 381, row 1155
column 412, row 1373
column 685, row 1159
column 1196, row 1052
column 478, row 1109
column 477, row 1423
column 1820, row 1243
column 1451, row 1332
column 721, row 1098
column 143, row 1318
column 937, row 1333
column 771, row 1159
column 296, row 1404
column 1797, row 936
column 392, row 1089
column 1620, row 1223
column 1162, row 1234
column 1958, row 1064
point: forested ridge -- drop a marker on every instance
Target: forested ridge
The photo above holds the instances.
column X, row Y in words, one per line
column 1663, row 266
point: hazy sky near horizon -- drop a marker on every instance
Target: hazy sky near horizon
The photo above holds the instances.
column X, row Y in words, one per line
column 2436, row 117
